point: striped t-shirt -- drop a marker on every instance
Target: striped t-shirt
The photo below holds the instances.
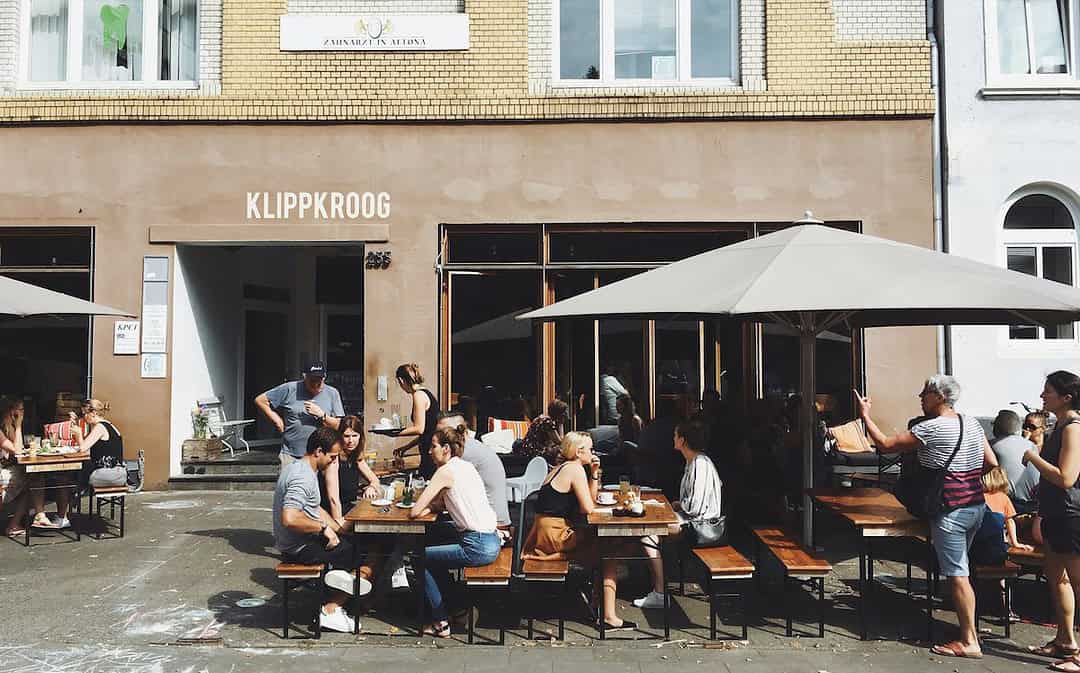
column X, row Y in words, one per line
column 939, row 435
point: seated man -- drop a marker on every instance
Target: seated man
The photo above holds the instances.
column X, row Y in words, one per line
column 485, row 460
column 1009, row 447
column 303, row 532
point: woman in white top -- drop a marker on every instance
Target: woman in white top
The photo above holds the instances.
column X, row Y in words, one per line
column 460, row 489
column 699, row 500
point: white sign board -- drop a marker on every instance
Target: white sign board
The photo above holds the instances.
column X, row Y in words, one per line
column 156, row 328
column 153, row 366
column 126, row 337
column 374, row 32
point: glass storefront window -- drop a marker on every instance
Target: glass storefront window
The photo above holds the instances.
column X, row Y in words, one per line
column 465, row 247
column 493, row 357
column 575, row 343
column 636, row 246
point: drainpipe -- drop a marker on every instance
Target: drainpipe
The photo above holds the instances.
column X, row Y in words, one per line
column 939, row 151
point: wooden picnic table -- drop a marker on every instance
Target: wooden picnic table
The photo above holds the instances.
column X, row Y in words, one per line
column 655, row 521
column 52, row 462
column 368, row 519
column 876, row 513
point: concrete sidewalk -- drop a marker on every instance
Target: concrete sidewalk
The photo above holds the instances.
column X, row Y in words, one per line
column 165, row 598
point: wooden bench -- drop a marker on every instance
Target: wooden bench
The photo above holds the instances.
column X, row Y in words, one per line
column 495, row 574
column 1007, row 571
column 800, row 567
column 725, row 564
column 112, row 496
column 533, row 570
column 293, row 575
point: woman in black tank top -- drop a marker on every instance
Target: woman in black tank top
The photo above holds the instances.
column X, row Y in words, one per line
column 425, row 415
column 1059, row 507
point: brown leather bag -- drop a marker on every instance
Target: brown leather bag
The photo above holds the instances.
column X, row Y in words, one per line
column 851, row 438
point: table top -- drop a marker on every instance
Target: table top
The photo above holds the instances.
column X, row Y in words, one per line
column 364, row 512
column 50, row 459
column 655, row 515
column 864, row 506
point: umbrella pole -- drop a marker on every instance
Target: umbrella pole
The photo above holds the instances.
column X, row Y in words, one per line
column 807, row 363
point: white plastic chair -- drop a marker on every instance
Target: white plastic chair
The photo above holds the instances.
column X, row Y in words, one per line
column 519, row 488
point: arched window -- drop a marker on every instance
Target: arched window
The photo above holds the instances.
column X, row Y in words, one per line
column 1041, row 241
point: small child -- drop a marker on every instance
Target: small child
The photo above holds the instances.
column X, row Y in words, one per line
column 996, row 492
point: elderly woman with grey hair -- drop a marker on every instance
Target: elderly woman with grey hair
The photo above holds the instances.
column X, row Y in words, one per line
column 934, row 440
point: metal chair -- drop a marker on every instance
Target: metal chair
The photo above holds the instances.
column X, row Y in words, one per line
column 229, row 432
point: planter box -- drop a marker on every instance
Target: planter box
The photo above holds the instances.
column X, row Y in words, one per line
column 201, row 449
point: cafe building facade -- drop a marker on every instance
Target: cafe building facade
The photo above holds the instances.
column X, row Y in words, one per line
column 371, row 183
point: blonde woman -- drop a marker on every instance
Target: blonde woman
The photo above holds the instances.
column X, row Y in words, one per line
column 11, row 442
column 567, row 495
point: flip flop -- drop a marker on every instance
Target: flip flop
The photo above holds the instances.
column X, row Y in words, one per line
column 44, row 524
column 1053, row 649
column 955, row 649
column 17, row 532
column 1070, row 665
column 440, row 630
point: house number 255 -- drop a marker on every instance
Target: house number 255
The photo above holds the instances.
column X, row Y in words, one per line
column 377, row 260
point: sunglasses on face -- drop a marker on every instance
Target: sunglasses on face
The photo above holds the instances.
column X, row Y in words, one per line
column 1031, row 428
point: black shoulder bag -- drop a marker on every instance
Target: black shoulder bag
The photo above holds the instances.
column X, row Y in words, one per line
column 922, row 491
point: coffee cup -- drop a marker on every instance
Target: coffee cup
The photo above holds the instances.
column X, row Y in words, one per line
column 636, row 507
column 606, row 498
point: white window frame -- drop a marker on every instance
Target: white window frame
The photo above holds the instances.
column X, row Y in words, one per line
column 994, row 77
column 607, row 52
column 151, row 58
column 1039, row 239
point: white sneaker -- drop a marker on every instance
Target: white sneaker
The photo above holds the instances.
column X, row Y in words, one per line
column 654, row 600
column 60, row 521
column 399, row 580
column 338, row 620
column 343, row 581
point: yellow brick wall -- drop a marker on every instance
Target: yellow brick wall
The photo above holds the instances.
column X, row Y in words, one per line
column 808, row 73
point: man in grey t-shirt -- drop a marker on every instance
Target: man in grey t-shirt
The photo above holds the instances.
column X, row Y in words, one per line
column 1009, row 446
column 297, row 408
column 487, row 463
column 304, row 533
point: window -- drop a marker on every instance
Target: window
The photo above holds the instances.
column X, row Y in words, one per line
column 93, row 41
column 1041, row 241
column 635, row 42
column 1032, row 41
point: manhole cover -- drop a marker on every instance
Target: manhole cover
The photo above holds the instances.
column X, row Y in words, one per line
column 250, row 603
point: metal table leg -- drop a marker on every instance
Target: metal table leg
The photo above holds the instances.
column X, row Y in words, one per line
column 421, row 592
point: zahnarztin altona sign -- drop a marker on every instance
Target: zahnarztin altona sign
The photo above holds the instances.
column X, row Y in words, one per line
column 374, row 32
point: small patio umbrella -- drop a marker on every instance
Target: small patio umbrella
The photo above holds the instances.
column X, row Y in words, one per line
column 810, row 278
column 20, row 300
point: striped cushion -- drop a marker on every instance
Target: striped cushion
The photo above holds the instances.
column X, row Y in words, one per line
column 519, row 428
column 61, row 431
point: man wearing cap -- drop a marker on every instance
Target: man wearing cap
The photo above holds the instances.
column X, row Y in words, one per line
column 296, row 408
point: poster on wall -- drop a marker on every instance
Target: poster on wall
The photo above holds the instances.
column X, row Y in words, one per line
column 155, row 304
column 153, row 366
column 126, row 337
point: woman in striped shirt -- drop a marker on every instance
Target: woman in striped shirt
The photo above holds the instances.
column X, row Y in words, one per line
column 934, row 439
column 699, row 500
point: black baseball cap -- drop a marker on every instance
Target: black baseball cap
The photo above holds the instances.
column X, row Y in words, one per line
column 315, row 368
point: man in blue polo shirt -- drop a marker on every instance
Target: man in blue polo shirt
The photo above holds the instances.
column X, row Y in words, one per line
column 297, row 408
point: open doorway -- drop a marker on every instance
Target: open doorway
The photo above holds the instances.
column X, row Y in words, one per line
column 247, row 318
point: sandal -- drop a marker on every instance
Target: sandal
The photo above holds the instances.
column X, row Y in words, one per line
column 15, row 532
column 44, row 522
column 955, row 649
column 439, row 630
column 1054, row 650
column 1069, row 665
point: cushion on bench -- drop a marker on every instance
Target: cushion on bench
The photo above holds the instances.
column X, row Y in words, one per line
column 496, row 571
column 724, row 562
column 791, row 554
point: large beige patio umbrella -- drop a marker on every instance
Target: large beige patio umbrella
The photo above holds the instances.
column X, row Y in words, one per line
column 811, row 278
column 20, row 300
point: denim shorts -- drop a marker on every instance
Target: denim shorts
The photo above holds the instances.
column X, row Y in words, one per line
column 952, row 534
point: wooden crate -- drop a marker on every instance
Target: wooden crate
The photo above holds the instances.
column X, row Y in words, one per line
column 201, row 449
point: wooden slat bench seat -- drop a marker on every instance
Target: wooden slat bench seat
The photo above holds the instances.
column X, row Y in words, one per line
column 800, row 567
column 1007, row 572
column 726, row 564
column 545, row 570
column 495, row 574
column 113, row 496
column 293, row 575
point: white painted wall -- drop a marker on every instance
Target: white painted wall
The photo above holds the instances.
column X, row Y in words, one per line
column 996, row 147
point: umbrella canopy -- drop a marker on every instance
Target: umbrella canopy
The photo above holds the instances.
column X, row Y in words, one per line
column 871, row 281
column 18, row 299
column 811, row 277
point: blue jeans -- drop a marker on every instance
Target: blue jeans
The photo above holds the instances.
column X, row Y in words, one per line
column 952, row 534
column 474, row 549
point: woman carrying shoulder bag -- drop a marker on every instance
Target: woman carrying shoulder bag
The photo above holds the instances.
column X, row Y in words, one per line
column 952, row 453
